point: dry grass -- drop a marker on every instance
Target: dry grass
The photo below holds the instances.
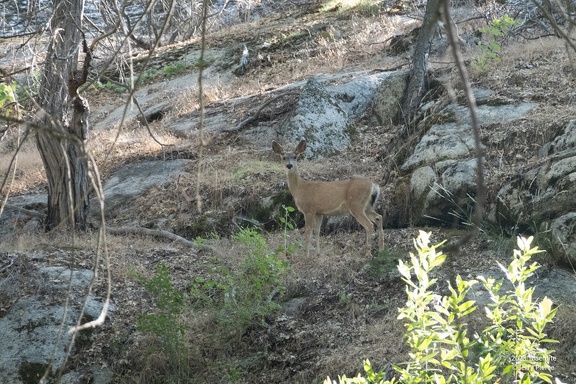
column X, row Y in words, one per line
column 29, row 168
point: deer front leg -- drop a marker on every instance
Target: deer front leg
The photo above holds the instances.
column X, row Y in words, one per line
column 309, row 224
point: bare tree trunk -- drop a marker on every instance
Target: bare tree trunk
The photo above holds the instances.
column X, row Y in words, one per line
column 64, row 116
column 419, row 71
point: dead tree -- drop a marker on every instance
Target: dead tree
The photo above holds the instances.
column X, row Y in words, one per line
column 64, row 120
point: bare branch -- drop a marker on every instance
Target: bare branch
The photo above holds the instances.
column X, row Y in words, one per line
column 160, row 233
column 471, row 103
column 252, row 118
column 201, row 102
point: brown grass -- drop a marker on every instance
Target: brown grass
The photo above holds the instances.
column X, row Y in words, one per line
column 29, row 168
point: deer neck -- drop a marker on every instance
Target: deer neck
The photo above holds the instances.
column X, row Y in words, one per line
column 293, row 180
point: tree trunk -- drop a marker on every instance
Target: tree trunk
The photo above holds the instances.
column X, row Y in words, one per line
column 64, row 117
column 419, row 71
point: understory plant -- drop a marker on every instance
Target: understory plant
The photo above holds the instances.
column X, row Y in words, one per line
column 493, row 38
column 235, row 294
column 509, row 350
column 166, row 322
column 244, row 294
column 288, row 224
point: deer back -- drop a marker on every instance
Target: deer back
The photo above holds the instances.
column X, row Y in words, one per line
column 332, row 198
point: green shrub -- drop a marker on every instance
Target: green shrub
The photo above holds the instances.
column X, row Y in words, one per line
column 288, row 223
column 493, row 36
column 232, row 295
column 243, row 295
column 508, row 350
column 166, row 324
column 8, row 98
column 384, row 263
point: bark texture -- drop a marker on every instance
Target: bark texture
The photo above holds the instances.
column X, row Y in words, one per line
column 64, row 116
column 419, row 71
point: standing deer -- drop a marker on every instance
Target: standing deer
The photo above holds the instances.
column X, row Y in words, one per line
column 315, row 199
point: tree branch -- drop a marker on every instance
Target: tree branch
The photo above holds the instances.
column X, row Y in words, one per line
column 252, row 118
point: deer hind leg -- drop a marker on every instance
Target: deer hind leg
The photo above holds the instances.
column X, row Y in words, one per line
column 376, row 219
column 317, row 226
column 361, row 216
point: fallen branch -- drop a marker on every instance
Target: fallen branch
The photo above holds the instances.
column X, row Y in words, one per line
column 252, row 118
column 160, row 233
column 135, row 101
column 9, row 265
column 25, row 211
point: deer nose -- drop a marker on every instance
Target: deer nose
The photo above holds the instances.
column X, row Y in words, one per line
column 289, row 166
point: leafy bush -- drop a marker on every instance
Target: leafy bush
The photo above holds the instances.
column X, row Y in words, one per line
column 508, row 350
column 8, row 99
column 166, row 323
column 287, row 223
column 493, row 36
column 244, row 295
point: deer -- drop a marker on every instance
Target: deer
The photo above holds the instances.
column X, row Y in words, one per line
column 316, row 199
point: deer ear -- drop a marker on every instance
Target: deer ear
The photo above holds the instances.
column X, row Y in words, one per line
column 301, row 147
column 277, row 148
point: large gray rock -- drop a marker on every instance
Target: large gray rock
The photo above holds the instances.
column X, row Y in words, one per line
column 47, row 302
column 539, row 195
column 562, row 143
column 564, row 232
column 319, row 118
column 134, row 180
column 442, row 167
column 388, row 98
column 556, row 284
column 448, row 200
column 544, row 195
column 357, row 95
column 441, row 142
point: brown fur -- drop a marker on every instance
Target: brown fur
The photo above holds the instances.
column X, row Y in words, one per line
column 316, row 199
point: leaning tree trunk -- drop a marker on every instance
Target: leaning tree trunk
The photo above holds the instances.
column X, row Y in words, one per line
column 62, row 138
column 416, row 83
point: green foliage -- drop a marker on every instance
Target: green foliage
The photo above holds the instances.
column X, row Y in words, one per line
column 202, row 63
column 199, row 241
column 166, row 324
column 493, row 36
column 343, row 298
column 365, row 8
column 518, row 322
column 508, row 350
column 384, row 263
column 8, row 99
column 174, row 69
column 244, row 295
column 149, row 75
column 287, row 223
column 368, row 8
column 171, row 70
column 109, row 86
column 232, row 294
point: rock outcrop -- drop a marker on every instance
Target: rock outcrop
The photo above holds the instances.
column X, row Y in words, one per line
column 544, row 196
column 440, row 181
column 43, row 303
